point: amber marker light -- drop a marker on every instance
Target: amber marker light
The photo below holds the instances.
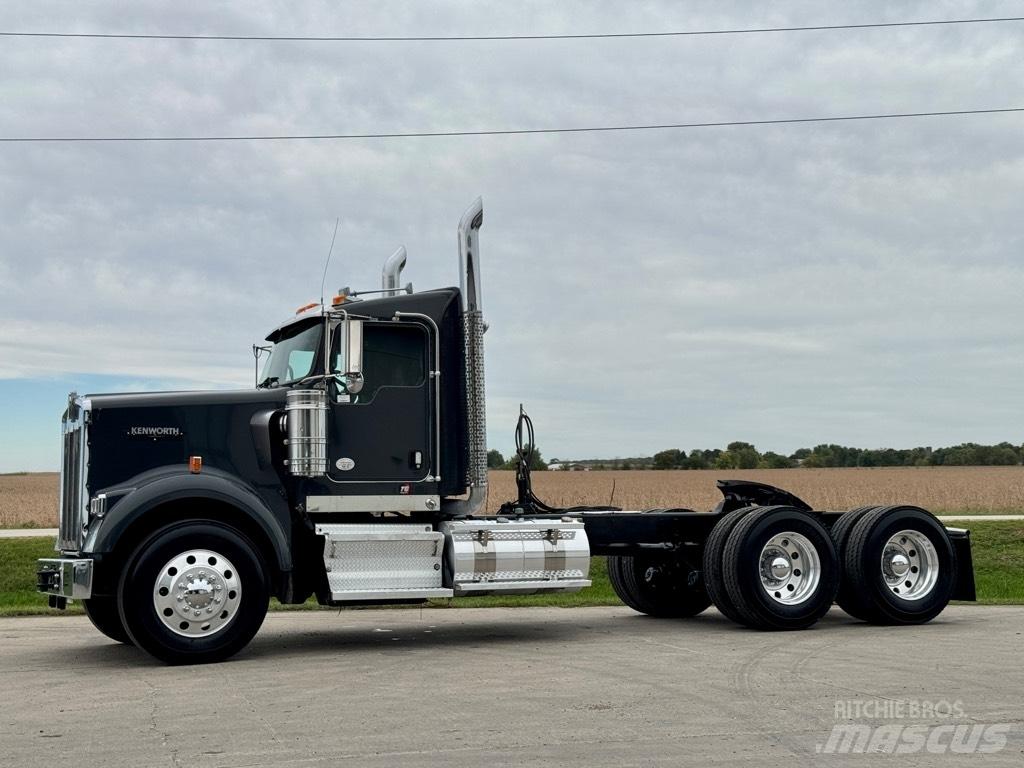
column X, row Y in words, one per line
column 195, row 464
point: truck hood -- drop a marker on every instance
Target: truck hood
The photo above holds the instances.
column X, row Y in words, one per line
column 135, row 433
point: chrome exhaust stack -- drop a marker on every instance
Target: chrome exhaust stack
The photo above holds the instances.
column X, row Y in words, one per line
column 473, row 333
column 391, row 276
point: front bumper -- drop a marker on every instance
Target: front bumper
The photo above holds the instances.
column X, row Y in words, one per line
column 67, row 578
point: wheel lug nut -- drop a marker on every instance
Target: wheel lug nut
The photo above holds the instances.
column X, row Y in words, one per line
column 199, row 613
column 180, row 598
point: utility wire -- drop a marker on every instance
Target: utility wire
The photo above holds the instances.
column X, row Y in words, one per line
column 506, row 132
column 469, row 38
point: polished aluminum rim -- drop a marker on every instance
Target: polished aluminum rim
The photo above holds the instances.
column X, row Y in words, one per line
column 197, row 593
column 910, row 565
column 790, row 568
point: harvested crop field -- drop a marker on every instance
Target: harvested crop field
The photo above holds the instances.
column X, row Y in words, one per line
column 31, row 500
column 976, row 490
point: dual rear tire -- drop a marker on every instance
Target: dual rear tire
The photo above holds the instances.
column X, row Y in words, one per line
column 772, row 568
column 899, row 566
column 765, row 567
column 778, row 568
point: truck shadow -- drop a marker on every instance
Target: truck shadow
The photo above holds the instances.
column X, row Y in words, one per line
column 310, row 636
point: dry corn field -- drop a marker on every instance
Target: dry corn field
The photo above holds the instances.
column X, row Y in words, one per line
column 976, row 490
column 31, row 500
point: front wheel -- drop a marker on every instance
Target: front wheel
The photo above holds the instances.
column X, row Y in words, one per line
column 103, row 613
column 194, row 592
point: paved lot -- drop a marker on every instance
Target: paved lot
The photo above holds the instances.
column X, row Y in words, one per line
column 501, row 687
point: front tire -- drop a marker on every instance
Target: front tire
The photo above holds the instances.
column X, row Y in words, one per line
column 194, row 592
column 104, row 615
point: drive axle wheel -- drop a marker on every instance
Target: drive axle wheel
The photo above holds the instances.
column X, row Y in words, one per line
column 780, row 569
column 667, row 587
column 714, row 548
column 847, row 597
column 102, row 612
column 901, row 565
column 194, row 592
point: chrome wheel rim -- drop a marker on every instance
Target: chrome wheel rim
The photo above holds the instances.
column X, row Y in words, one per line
column 197, row 593
column 910, row 565
column 790, row 568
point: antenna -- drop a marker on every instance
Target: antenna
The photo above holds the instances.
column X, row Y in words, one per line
column 323, row 282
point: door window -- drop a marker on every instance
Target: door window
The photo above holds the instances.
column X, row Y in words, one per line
column 393, row 356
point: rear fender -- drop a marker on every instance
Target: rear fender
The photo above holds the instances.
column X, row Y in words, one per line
column 745, row 493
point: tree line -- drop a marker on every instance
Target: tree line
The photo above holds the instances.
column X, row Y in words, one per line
column 741, row 455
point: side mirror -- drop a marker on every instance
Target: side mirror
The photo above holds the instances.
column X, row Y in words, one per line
column 352, row 344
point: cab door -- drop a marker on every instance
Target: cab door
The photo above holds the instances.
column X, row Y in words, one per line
column 383, row 433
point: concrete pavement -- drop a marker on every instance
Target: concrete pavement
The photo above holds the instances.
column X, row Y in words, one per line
column 501, row 687
column 28, row 533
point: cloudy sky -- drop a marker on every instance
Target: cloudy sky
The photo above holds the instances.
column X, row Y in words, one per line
column 855, row 282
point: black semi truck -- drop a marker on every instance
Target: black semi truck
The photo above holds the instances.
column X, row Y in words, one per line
column 356, row 471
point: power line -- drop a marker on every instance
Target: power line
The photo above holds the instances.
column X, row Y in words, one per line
column 484, row 38
column 503, row 132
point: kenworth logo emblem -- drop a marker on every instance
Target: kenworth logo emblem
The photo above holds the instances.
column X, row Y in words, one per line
column 154, row 432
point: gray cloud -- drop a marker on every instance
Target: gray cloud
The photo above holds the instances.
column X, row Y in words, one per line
column 857, row 282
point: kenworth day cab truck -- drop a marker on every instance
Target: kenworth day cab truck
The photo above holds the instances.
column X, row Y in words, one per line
column 356, row 471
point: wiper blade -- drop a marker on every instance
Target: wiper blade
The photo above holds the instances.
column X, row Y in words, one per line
column 270, row 381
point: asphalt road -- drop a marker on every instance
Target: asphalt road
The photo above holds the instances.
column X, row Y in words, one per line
column 508, row 687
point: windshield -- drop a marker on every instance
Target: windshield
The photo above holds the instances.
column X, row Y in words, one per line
column 293, row 355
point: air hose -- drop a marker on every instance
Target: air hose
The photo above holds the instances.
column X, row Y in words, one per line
column 528, row 503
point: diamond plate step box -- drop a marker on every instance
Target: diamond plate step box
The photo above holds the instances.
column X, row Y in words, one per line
column 383, row 561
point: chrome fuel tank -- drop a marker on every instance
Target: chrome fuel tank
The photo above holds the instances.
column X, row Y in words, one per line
column 516, row 556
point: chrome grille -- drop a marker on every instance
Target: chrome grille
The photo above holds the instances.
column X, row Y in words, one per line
column 74, row 499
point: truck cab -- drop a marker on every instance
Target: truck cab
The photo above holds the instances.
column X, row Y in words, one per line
column 351, row 472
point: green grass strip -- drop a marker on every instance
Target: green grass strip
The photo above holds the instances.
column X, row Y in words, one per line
column 998, row 569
